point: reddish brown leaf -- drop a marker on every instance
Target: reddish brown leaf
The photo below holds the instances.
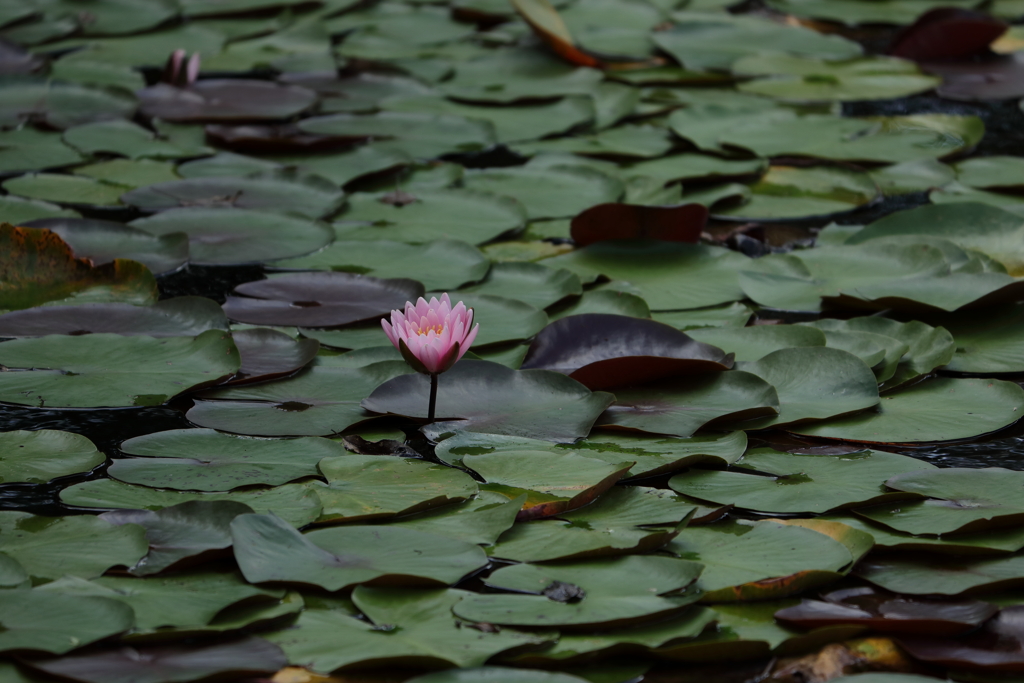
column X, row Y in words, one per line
column 998, row 647
column 615, row 221
column 947, row 33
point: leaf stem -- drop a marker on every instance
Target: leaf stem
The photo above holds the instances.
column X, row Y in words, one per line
column 433, row 397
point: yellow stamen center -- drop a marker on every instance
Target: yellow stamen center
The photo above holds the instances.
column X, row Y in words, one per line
column 437, row 329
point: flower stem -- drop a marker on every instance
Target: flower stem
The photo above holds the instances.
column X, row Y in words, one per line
column 433, row 397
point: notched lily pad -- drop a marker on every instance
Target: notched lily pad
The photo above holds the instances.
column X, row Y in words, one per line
column 216, row 100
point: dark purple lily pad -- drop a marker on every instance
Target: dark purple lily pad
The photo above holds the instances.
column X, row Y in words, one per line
column 889, row 613
column 491, row 398
column 225, row 100
column 615, row 221
column 319, row 299
column 267, row 354
column 603, row 351
column 185, row 316
column 947, row 33
column 996, row 78
column 249, row 656
column 998, row 647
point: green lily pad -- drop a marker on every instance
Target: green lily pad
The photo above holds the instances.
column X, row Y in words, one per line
column 941, row 409
column 999, row 541
column 693, row 166
column 729, row 315
column 422, row 629
column 61, row 105
column 943, row 578
column 18, row 210
column 55, row 623
column 79, row 545
column 742, row 559
column 854, row 12
column 799, row 482
column 228, row 237
column 472, row 217
column 754, row 343
column 422, row 135
column 511, row 123
column 490, row 398
column 27, row 149
column 912, row 176
column 365, row 487
column 1000, row 172
column 66, row 189
column 480, row 520
column 618, row 592
column 680, row 407
column 268, row 549
column 180, row 531
column 602, row 301
column 668, row 276
column 111, row 370
column 815, row 383
column 104, row 241
column 439, row 265
column 320, row 401
column 39, row 456
column 784, row 193
column 987, row 229
column 991, row 342
column 802, row 79
column 514, row 75
column 183, row 316
column 617, row 523
column 206, row 460
column 278, row 191
column 533, row 283
column 497, row 674
column 555, row 192
column 714, row 41
column 181, row 600
column 626, row 140
column 297, row 504
column 38, row 267
column 123, row 138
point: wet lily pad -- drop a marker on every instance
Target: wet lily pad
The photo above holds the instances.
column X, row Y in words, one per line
column 111, row 370
column 269, row 354
column 319, row 299
column 228, row 237
column 989, row 343
column 490, row 398
column 321, row 401
column 268, row 549
column 680, row 407
column 480, row 520
column 183, row 316
column 951, row 577
column 39, row 456
column 206, row 460
column 215, row 100
column 940, row 409
column 533, row 283
column 798, row 482
column 785, row 193
column 439, row 265
column 50, row 622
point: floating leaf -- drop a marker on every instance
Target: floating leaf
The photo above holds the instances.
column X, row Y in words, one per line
column 39, row 456
column 229, row 237
column 533, row 283
column 988, row 343
column 947, row 33
column 183, row 316
column 421, row 135
column 996, row 647
column 496, row 674
column 213, row 100
column 37, row 267
column 680, row 407
column 111, row 370
column 51, row 622
column 206, row 460
column 754, row 343
column 603, row 301
column 268, row 549
column 61, row 105
column 607, row 351
column 318, row 402
column 180, row 531
column 439, row 265
column 785, row 192
column 123, row 138
column 802, row 79
column 66, row 189
column 487, row 397
column 555, row 192
column 51, row 547
column 951, row 577
column 790, row 483
column 480, row 520
column 269, row 354
column 295, row 503
column 940, row 409
column 627, row 221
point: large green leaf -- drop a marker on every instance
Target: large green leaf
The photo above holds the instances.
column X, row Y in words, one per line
column 123, row 138
column 480, row 520
column 681, row 406
column 554, row 192
column 66, row 189
column 743, row 559
column 617, row 592
column 77, row 545
column 943, row 578
column 51, row 622
column 408, row 626
column 39, row 456
column 488, row 397
column 786, row 192
column 268, row 549
column 756, row 342
column 473, row 217
column 534, row 283
column 320, row 401
column 991, row 341
column 61, row 105
column 111, row 370
column 28, row 149
column 940, row 409
column 365, row 487
column 298, row 504
column 789, row 483
column 418, row 134
column 669, row 276
column 206, row 460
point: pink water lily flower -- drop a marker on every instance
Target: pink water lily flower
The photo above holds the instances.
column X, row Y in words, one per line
column 432, row 336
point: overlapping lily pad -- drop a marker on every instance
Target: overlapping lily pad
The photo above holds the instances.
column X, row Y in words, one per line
column 184, row 316
column 785, row 192
column 55, row 623
column 39, row 456
column 224, row 100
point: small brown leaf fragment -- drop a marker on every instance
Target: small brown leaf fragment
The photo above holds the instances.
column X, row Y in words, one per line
column 560, row 591
column 398, row 198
